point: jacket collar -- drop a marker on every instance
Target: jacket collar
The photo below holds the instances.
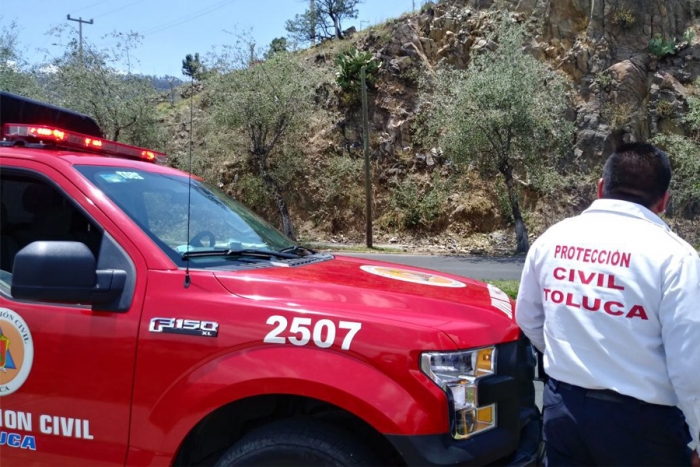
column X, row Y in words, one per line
column 625, row 208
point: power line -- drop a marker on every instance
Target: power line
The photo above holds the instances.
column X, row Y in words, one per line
column 123, row 7
column 179, row 21
column 182, row 20
column 91, row 6
column 175, row 22
column 194, row 15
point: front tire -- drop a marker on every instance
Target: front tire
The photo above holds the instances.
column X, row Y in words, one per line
column 297, row 443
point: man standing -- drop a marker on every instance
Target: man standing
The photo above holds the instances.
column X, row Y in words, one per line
column 612, row 299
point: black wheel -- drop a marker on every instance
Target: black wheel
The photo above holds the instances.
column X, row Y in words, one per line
column 197, row 239
column 297, row 443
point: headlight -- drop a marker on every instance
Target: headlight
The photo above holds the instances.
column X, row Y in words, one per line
column 457, row 373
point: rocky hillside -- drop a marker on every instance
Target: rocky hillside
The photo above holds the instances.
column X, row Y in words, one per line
column 621, row 91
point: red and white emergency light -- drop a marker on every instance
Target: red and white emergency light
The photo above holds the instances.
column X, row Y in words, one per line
column 79, row 142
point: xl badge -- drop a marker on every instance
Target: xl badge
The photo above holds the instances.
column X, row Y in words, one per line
column 191, row 327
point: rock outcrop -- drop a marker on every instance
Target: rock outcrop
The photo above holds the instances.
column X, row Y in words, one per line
column 620, row 89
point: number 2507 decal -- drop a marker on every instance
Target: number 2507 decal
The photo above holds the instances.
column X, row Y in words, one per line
column 302, row 332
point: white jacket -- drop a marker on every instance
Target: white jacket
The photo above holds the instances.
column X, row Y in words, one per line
column 612, row 298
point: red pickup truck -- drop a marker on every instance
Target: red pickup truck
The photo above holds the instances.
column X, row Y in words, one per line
column 146, row 318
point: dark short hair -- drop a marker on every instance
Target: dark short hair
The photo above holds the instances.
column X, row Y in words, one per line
column 637, row 172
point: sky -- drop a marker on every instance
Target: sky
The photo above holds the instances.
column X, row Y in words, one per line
column 171, row 28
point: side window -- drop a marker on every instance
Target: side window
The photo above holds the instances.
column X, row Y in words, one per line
column 32, row 209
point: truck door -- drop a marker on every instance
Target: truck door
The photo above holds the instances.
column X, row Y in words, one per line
column 66, row 371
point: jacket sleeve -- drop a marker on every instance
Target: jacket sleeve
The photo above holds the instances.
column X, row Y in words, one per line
column 529, row 312
column 679, row 314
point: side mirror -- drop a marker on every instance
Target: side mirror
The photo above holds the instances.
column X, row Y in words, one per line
column 63, row 272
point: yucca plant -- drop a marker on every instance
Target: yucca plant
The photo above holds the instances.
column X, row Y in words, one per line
column 349, row 64
column 659, row 47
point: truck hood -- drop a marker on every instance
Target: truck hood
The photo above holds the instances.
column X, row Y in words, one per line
column 469, row 311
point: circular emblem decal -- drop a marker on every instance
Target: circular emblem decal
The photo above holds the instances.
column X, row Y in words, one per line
column 412, row 276
column 16, row 351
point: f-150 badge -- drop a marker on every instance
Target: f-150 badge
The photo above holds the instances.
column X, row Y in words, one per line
column 190, row 327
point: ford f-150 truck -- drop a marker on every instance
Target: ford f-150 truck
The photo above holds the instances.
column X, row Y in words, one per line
column 146, row 318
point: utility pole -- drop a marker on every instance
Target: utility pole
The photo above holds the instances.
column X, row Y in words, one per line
column 172, row 90
column 368, row 187
column 80, row 22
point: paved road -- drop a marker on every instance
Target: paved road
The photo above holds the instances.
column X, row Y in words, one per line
column 476, row 267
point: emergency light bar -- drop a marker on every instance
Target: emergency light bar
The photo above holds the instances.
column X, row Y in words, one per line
column 77, row 141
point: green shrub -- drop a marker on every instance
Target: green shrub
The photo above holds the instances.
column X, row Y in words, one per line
column 419, row 209
column 685, row 184
column 603, row 80
column 688, row 35
column 339, row 175
column 342, row 196
column 664, row 109
column 617, row 115
column 411, row 75
column 624, row 18
column 405, row 200
column 692, row 117
column 427, row 6
column 660, row 47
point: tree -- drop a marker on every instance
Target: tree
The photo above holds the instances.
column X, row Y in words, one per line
column 193, row 67
column 505, row 114
column 278, row 45
column 123, row 104
column 305, row 28
column 269, row 103
column 326, row 16
column 336, row 11
column 15, row 75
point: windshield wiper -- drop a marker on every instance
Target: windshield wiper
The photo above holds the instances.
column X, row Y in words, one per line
column 244, row 252
column 296, row 249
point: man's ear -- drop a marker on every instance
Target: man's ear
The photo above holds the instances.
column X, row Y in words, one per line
column 661, row 205
column 600, row 189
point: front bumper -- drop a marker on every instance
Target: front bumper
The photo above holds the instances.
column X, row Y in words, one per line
column 517, row 438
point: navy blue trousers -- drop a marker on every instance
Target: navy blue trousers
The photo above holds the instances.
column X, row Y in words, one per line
column 585, row 427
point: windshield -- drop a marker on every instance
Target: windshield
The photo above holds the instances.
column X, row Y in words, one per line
column 158, row 203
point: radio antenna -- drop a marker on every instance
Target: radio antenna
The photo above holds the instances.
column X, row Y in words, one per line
column 189, row 186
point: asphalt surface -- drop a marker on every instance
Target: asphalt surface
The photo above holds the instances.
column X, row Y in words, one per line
column 475, row 267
